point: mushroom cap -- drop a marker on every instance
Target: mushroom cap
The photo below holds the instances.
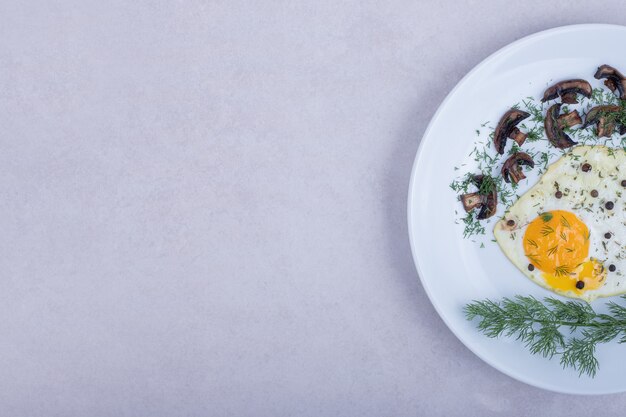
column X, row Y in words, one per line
column 521, row 158
column 607, row 71
column 511, row 169
column 615, row 80
column 594, row 114
column 555, row 134
column 567, row 90
column 507, row 123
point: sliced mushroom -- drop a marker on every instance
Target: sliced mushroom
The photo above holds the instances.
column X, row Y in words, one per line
column 569, row 98
column 569, row 119
column 555, row 134
column 471, row 201
column 568, row 90
column 512, row 168
column 505, row 127
column 614, row 79
column 605, row 128
column 601, row 117
column 595, row 113
column 518, row 136
column 486, row 199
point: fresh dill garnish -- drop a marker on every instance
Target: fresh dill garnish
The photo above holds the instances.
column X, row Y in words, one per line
column 533, row 259
column 473, row 226
column 546, row 217
column 562, row 270
column 535, row 109
column 552, row 250
column 487, row 186
column 568, row 329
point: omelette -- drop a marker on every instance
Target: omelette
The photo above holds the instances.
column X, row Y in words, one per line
column 568, row 232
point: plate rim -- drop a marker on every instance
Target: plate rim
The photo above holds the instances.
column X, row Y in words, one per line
column 412, row 191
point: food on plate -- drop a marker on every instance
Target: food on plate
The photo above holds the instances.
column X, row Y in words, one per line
column 512, row 167
column 507, row 128
column 569, row 119
column 605, row 118
column 485, row 198
column 548, row 328
column 554, row 130
column 567, row 91
column 567, row 232
column 614, row 79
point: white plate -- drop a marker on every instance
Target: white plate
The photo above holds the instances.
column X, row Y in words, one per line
column 454, row 270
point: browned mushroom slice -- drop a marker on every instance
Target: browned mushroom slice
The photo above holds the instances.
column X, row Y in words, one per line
column 614, row 79
column 605, row 127
column 569, row 98
column 595, row 113
column 486, row 198
column 555, row 134
column 518, row 136
column 471, row 201
column 610, row 84
column 567, row 90
column 505, row 127
column 604, row 117
column 569, row 119
column 512, row 168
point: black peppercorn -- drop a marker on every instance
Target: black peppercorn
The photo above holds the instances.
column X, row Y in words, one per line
column 510, row 223
column 531, row 267
column 594, row 193
column 586, row 167
column 609, row 205
column 558, row 194
column 580, row 285
column 612, row 268
column 607, row 235
column 623, row 183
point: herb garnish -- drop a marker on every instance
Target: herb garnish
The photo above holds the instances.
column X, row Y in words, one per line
column 539, row 326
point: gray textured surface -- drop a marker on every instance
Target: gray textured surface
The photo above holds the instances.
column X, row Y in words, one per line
column 202, row 208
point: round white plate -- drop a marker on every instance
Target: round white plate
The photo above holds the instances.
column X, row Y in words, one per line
column 454, row 270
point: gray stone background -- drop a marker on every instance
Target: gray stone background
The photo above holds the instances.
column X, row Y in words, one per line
column 202, row 207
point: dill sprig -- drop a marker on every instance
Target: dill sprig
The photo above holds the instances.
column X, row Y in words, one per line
column 540, row 326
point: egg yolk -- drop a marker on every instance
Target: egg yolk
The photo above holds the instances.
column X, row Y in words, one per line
column 557, row 243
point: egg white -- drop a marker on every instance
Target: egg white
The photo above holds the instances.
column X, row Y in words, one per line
column 608, row 170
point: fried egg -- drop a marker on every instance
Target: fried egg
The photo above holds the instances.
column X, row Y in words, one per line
column 568, row 232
